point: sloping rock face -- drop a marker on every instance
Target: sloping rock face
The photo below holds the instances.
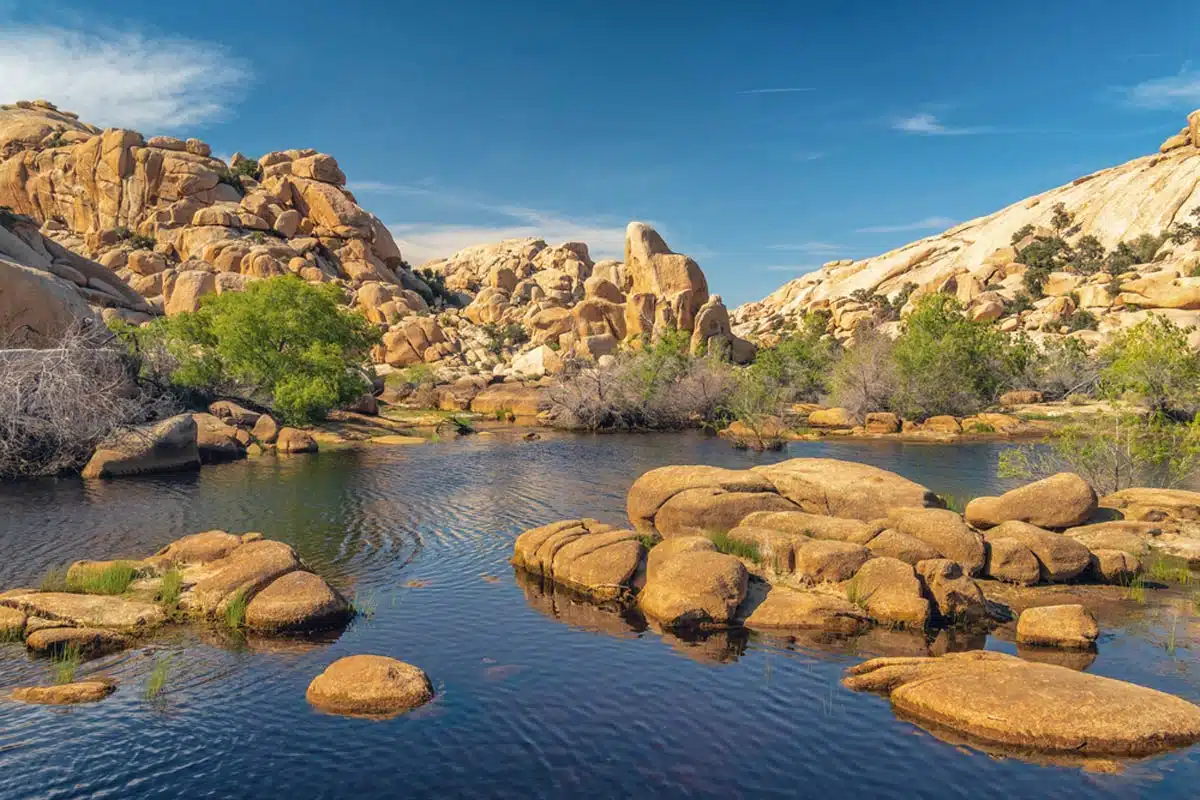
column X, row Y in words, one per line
column 584, row 555
column 975, row 260
column 163, row 212
column 1002, row 700
column 48, row 289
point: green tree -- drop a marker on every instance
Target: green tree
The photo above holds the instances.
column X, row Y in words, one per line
column 799, row 364
column 1153, row 361
column 282, row 341
column 947, row 364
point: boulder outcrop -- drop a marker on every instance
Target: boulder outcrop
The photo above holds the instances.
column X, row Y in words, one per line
column 695, row 589
column 585, row 555
column 1069, row 626
column 1064, row 500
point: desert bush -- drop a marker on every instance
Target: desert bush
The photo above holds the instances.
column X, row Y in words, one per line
column 800, row 363
column 283, row 343
column 502, row 336
column 247, row 168
column 1154, row 362
column 1141, row 250
column 57, row 404
column 1062, row 367
column 864, row 379
column 947, row 364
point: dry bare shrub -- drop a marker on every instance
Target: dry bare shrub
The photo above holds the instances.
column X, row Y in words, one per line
column 57, row 404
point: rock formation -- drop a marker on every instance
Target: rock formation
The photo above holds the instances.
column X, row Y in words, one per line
column 976, row 260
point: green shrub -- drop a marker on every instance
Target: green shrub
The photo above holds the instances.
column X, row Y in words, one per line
column 226, row 176
column 66, row 662
column 1021, row 233
column 1140, row 251
column 1019, row 303
column 283, row 342
column 1082, row 320
column 247, row 168
column 1154, row 361
column 170, row 589
column 799, row 364
column 137, row 241
column 510, row 335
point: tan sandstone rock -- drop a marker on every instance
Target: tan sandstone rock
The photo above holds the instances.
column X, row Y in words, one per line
column 1060, row 501
column 695, row 589
column 369, row 685
column 1069, row 626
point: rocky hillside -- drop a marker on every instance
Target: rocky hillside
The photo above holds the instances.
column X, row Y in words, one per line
column 984, row 261
column 164, row 216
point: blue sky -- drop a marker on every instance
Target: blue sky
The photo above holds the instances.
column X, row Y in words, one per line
column 763, row 138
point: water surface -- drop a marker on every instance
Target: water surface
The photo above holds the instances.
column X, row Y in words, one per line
column 539, row 695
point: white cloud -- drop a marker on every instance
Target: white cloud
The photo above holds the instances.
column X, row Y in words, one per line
column 1173, row 91
column 781, row 90
column 927, row 224
column 928, row 125
column 119, row 79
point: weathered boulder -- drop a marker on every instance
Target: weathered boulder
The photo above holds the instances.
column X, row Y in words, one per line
column 674, row 279
column 216, row 441
column 294, row 440
column 667, row 549
column 944, row 531
column 197, row 548
column 943, row 423
column 537, row 362
column 699, row 512
column 87, row 610
column 894, row 544
column 650, row 492
column 890, row 592
column 843, row 488
column 831, row 418
column 1011, row 561
column 90, row 642
column 164, row 446
column 813, row 526
column 882, row 422
column 36, row 307
column 369, row 685
column 241, row 574
column 89, row 691
column 234, row 414
column 1021, row 397
column 789, row 609
column 1155, row 505
column 1003, row 700
column 266, row 429
column 1131, row 536
column 297, row 601
column 956, row 597
column 1114, row 566
column 584, row 555
column 1060, row 557
column 822, row 560
column 1060, row 501
column 1069, row 626
column 516, row 399
column 695, row 589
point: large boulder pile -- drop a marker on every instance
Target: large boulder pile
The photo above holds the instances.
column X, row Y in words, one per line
column 977, row 261
column 177, row 223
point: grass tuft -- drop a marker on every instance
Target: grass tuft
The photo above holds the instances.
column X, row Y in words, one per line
column 235, row 612
column 55, row 580
column 157, row 683
column 112, row 579
column 648, row 540
column 66, row 662
column 740, row 549
column 856, row 594
column 1136, row 590
column 1164, row 570
column 364, row 605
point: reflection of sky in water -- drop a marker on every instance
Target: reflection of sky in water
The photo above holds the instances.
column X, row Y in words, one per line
column 541, row 695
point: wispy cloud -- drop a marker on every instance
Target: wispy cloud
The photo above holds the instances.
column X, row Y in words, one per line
column 120, row 79
column 928, row 125
column 780, row 90
column 815, row 248
column 378, row 188
column 927, row 224
column 812, row 155
column 1181, row 90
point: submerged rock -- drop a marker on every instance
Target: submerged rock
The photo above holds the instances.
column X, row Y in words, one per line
column 695, row 589
column 65, row 694
column 369, row 685
column 1060, row 501
column 89, row 641
column 1069, row 626
column 1003, row 700
column 87, row 610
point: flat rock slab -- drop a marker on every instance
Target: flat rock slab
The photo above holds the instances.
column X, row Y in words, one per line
column 89, row 641
column 88, row 610
column 1002, row 700
column 66, row 694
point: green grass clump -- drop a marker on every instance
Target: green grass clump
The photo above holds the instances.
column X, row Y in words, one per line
column 157, row 683
column 648, row 540
column 364, row 605
column 856, row 594
column 733, row 547
column 1164, row 570
column 66, row 662
column 55, row 580
column 235, row 612
column 112, row 579
column 1136, row 590
column 169, row 591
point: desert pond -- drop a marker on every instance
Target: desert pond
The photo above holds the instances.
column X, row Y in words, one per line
column 538, row 694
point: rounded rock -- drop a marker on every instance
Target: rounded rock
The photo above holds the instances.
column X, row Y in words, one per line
column 369, row 685
column 297, row 601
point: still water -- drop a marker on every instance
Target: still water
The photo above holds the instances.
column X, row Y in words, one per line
column 538, row 695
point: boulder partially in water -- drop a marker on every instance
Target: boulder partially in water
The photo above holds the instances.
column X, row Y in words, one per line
column 583, row 554
column 944, row 531
column 789, row 609
column 87, row 610
column 1069, row 626
column 12, row 624
column 299, row 600
column 166, row 446
column 369, row 685
column 890, row 592
column 65, row 694
column 1002, row 700
column 88, row 641
column 1060, row 501
column 695, row 590
column 956, row 597
column 240, row 575
column 1060, row 558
